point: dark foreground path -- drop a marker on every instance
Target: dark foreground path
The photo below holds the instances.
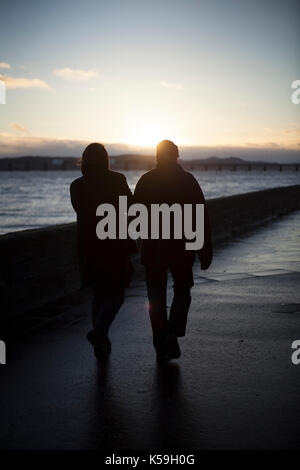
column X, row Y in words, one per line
column 234, row 387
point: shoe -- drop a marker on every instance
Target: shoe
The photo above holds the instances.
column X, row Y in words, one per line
column 91, row 337
column 102, row 348
column 102, row 345
column 161, row 352
column 173, row 349
column 162, row 356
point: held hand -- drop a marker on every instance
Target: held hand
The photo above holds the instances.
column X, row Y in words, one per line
column 205, row 264
column 205, row 260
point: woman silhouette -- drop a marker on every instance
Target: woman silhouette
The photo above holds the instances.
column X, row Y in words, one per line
column 104, row 264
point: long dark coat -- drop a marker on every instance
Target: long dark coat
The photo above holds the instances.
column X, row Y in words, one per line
column 100, row 257
column 169, row 183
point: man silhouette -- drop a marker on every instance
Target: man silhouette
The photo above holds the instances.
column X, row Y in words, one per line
column 169, row 183
column 105, row 264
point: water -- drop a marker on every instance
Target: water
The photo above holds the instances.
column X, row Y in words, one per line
column 38, row 198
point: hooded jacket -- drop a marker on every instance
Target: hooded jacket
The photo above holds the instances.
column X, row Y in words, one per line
column 87, row 193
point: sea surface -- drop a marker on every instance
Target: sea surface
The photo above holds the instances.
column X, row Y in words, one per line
column 35, row 199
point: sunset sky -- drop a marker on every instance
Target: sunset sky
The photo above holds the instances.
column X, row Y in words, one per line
column 205, row 73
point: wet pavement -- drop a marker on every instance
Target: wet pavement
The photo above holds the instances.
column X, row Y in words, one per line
column 234, row 387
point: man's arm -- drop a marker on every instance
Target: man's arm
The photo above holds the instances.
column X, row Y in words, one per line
column 206, row 252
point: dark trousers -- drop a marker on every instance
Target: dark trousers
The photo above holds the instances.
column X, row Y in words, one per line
column 107, row 301
column 157, row 278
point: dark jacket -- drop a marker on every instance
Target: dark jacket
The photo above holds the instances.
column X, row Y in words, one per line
column 98, row 256
column 169, row 183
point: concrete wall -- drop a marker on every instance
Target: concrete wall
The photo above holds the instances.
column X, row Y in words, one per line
column 235, row 214
column 39, row 266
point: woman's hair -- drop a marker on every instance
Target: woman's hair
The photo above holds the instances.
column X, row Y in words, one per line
column 94, row 161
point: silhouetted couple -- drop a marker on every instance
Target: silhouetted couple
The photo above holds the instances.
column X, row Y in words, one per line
column 105, row 264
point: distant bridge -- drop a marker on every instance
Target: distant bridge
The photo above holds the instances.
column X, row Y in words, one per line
column 136, row 162
column 240, row 166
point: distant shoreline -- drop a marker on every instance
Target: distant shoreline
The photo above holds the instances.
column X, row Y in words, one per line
column 139, row 162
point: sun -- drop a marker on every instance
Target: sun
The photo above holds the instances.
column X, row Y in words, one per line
column 147, row 135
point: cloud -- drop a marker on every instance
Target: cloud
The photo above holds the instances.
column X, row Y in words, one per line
column 4, row 65
column 264, row 145
column 18, row 82
column 75, row 75
column 271, row 144
column 292, row 131
column 18, row 145
column 19, row 128
column 174, row 86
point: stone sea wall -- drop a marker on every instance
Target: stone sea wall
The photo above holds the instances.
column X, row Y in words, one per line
column 40, row 266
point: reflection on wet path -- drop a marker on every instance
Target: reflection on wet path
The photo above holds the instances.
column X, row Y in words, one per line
column 234, row 386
